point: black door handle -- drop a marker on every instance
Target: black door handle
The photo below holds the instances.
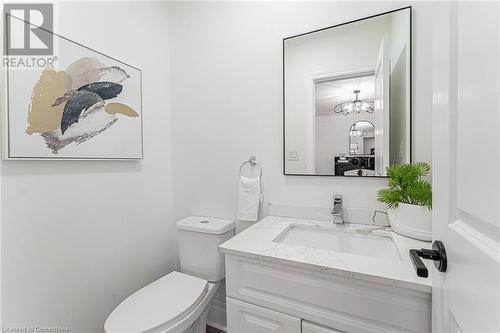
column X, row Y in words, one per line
column 438, row 254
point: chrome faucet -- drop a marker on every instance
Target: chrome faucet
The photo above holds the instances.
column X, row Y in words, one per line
column 337, row 210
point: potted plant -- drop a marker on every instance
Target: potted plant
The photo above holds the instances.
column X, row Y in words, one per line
column 409, row 200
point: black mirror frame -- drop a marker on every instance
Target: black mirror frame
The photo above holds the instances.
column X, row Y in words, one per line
column 411, row 88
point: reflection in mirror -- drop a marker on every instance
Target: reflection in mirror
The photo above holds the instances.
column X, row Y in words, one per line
column 362, row 138
column 347, row 98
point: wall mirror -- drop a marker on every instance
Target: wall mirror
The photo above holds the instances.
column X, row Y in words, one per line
column 347, row 97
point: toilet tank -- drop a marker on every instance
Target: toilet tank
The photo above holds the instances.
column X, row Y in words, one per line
column 199, row 239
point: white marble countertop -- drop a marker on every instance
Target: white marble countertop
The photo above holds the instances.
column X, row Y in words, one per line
column 257, row 242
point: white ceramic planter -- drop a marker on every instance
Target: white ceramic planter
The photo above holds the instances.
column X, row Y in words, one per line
column 412, row 221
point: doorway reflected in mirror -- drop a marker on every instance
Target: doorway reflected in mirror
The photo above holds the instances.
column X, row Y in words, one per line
column 362, row 138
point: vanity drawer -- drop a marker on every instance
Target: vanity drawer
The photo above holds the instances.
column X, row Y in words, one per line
column 347, row 303
column 308, row 327
column 245, row 318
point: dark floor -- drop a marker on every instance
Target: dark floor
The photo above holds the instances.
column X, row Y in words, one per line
column 211, row 329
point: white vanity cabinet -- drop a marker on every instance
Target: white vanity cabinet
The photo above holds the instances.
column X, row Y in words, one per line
column 245, row 317
column 265, row 296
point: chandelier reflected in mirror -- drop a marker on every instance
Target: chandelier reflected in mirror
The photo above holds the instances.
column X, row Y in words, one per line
column 356, row 105
column 357, row 132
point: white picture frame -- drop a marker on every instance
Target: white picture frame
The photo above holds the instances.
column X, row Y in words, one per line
column 122, row 139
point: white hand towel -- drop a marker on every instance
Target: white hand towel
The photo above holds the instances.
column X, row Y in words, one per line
column 249, row 197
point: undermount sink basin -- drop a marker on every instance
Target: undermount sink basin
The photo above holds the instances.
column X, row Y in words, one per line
column 341, row 239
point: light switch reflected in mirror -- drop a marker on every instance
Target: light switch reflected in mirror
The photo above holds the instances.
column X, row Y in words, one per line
column 347, row 97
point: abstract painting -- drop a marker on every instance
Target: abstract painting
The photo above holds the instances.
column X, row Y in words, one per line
column 86, row 106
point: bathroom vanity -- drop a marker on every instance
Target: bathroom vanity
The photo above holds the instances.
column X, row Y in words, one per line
column 298, row 275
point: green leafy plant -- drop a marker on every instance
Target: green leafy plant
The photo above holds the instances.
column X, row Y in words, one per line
column 407, row 185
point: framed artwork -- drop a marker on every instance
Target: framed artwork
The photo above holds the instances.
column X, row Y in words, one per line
column 86, row 106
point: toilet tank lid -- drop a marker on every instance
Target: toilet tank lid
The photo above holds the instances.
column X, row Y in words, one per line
column 204, row 224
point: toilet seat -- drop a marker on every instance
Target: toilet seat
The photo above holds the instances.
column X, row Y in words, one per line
column 159, row 305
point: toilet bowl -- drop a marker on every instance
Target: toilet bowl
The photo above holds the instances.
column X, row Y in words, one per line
column 172, row 303
column 179, row 301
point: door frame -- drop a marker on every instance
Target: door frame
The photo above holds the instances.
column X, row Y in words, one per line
column 312, row 81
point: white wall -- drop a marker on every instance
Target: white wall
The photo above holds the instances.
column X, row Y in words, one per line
column 79, row 237
column 226, row 65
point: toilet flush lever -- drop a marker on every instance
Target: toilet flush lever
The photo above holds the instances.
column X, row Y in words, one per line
column 438, row 254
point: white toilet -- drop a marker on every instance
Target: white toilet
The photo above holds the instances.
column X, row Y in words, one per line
column 178, row 302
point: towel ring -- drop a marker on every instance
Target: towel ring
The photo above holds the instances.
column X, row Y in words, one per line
column 252, row 162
